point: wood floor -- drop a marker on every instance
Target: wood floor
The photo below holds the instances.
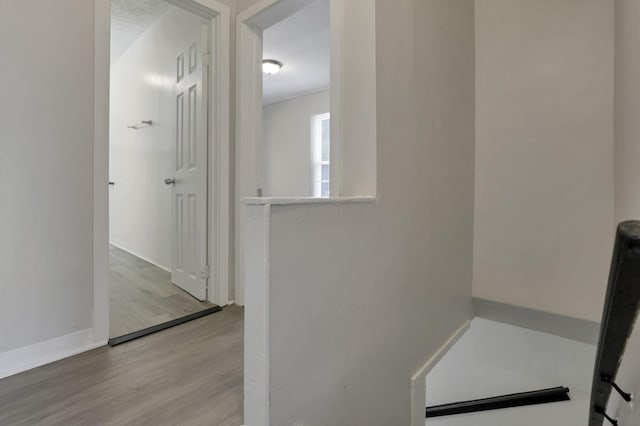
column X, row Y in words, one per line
column 186, row 375
column 142, row 295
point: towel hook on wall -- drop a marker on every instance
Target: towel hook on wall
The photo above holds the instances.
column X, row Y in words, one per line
column 143, row 123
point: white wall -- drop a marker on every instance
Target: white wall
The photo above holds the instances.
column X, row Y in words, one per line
column 143, row 88
column 361, row 295
column 287, row 144
column 544, row 154
column 627, row 107
column 353, row 98
column 46, row 117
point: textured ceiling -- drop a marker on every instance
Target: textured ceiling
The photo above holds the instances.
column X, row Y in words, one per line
column 131, row 18
column 302, row 43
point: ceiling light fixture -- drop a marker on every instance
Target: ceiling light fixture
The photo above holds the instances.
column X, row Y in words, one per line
column 271, row 66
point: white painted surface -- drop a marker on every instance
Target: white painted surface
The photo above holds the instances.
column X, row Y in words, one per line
column 353, row 97
column 130, row 19
column 143, row 87
column 494, row 359
column 46, row 117
column 100, row 240
column 258, row 312
column 25, row 358
column 627, row 108
column 221, row 152
column 257, row 317
column 396, row 275
column 544, row 154
column 189, row 168
column 248, row 138
column 302, row 43
column 287, row 144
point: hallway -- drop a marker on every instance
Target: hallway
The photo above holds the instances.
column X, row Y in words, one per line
column 191, row 375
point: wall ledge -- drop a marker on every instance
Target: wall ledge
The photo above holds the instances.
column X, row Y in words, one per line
column 266, row 201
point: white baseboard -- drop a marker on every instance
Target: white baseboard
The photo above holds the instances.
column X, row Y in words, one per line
column 419, row 379
column 32, row 356
column 133, row 253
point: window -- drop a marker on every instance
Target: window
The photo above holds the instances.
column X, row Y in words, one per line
column 320, row 151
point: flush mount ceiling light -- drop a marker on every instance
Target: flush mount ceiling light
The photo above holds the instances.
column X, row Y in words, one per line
column 271, row 66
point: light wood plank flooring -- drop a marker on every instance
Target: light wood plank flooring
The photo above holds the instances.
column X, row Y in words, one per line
column 186, row 375
column 142, row 295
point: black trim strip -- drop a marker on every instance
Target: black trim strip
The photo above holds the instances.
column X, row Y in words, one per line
column 499, row 402
column 156, row 328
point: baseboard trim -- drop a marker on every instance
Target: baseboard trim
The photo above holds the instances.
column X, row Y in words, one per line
column 131, row 252
column 584, row 331
column 28, row 357
column 419, row 379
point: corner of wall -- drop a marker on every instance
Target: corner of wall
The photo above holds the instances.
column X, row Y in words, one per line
column 419, row 379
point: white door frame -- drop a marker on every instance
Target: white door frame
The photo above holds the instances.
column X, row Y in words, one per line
column 250, row 25
column 219, row 235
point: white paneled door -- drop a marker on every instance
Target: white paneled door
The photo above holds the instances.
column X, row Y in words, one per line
column 189, row 214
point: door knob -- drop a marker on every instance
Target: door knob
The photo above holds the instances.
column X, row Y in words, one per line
column 170, row 181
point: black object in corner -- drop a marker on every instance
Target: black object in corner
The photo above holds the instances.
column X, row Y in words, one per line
column 156, row 328
column 499, row 402
column 621, row 308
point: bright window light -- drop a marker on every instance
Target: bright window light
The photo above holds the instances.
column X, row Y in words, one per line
column 320, row 145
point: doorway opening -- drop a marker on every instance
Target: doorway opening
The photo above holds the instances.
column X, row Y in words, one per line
column 296, row 104
column 159, row 168
column 288, row 91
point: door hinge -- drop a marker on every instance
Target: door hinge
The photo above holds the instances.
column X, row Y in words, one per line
column 259, row 192
column 205, row 273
